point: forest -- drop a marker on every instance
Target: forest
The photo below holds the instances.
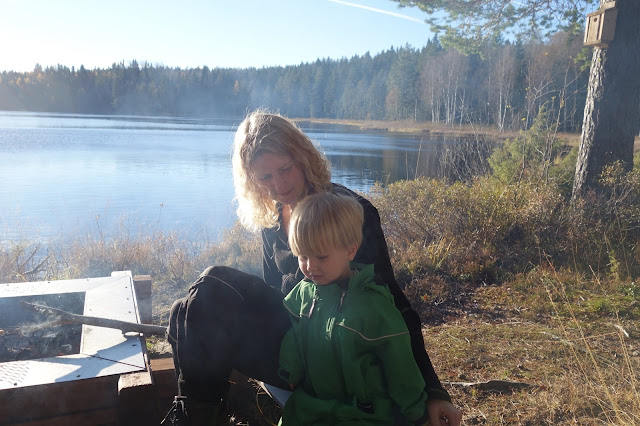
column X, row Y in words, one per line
column 503, row 85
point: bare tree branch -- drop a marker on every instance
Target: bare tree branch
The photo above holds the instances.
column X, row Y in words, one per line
column 69, row 318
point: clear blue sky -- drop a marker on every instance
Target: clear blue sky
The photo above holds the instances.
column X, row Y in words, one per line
column 192, row 33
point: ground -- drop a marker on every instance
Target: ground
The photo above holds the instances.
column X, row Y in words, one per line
column 567, row 361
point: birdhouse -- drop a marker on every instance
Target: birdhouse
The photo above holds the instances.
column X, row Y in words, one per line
column 601, row 26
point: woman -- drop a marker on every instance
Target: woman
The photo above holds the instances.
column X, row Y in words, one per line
column 233, row 320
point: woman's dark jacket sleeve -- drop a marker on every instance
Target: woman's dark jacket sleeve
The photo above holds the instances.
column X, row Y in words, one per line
column 280, row 269
column 373, row 250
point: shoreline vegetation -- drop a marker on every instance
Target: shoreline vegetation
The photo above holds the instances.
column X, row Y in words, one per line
column 513, row 282
column 440, row 131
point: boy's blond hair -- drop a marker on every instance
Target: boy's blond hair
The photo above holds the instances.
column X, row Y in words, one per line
column 325, row 221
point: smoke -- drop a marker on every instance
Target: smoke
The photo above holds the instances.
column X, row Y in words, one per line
column 27, row 335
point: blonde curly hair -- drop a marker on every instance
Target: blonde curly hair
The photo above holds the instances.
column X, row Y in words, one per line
column 262, row 132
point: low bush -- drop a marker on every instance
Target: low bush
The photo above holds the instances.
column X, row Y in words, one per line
column 475, row 232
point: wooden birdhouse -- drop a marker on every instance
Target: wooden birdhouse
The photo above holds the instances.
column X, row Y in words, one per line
column 601, row 26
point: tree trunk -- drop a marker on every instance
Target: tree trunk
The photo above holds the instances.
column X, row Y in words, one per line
column 613, row 102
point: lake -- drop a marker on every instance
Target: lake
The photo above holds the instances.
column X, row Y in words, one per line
column 65, row 175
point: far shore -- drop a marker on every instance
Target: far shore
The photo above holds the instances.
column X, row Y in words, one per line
column 440, row 131
column 433, row 130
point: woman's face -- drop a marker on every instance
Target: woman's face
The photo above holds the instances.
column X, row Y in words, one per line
column 280, row 176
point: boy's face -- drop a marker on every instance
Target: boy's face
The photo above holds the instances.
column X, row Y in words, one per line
column 328, row 267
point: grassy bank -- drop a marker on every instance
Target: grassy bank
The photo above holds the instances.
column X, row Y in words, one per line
column 509, row 283
column 516, row 285
column 172, row 261
column 530, row 303
column 440, row 131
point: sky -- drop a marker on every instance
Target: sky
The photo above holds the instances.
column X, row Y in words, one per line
column 195, row 33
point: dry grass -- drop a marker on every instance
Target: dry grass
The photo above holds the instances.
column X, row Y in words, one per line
column 172, row 260
column 575, row 340
column 583, row 367
column 479, row 263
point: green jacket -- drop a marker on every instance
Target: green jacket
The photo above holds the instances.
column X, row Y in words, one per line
column 349, row 355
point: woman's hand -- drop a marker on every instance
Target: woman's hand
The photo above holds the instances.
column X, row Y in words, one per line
column 442, row 413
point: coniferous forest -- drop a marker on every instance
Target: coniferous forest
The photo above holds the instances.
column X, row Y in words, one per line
column 503, row 86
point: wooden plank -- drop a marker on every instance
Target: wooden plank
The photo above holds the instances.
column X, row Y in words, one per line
column 142, row 287
column 165, row 383
column 103, row 417
column 130, row 381
column 161, row 364
column 136, row 399
column 31, row 403
column 164, row 377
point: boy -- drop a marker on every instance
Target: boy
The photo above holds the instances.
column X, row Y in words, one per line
column 348, row 355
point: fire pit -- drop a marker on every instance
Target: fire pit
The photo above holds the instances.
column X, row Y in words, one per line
column 26, row 335
column 35, row 352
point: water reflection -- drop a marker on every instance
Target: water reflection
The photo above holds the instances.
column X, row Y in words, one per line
column 384, row 158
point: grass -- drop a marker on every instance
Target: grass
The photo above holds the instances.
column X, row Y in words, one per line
column 173, row 261
column 583, row 366
column 575, row 339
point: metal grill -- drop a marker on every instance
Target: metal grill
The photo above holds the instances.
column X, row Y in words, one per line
column 99, row 352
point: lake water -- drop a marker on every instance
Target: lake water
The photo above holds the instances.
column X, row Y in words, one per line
column 66, row 175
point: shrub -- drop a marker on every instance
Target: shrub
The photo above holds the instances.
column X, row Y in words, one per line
column 471, row 231
column 537, row 155
column 486, row 229
column 22, row 261
column 605, row 226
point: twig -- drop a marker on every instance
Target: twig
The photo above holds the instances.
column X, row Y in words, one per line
column 69, row 318
column 37, row 267
column 494, row 385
